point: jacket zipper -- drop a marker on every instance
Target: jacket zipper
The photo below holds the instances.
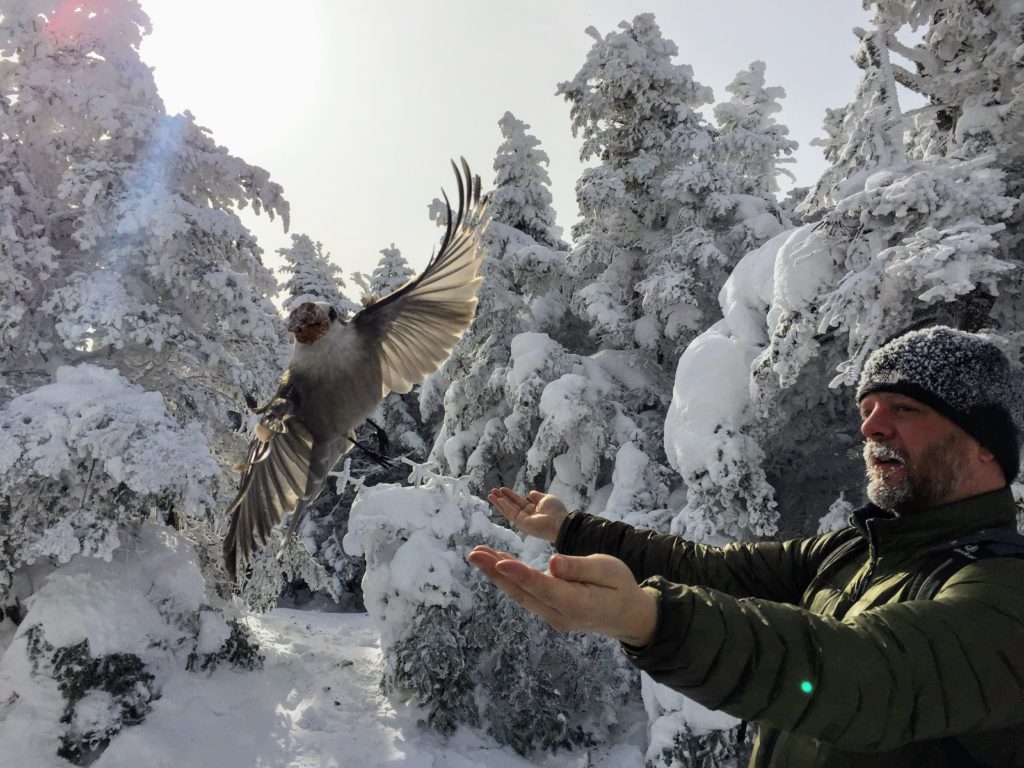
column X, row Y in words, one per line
column 862, row 586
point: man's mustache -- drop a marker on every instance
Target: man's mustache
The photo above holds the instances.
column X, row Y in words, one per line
column 883, row 452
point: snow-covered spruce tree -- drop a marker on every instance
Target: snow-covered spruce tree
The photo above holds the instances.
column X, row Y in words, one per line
column 709, row 437
column 755, row 149
column 865, row 134
column 750, row 139
column 672, row 206
column 636, row 112
column 454, row 646
column 521, row 292
column 521, row 198
column 314, row 277
column 157, row 278
column 650, row 249
column 897, row 242
column 92, row 654
column 968, row 65
column 138, row 310
column 468, row 391
column 391, row 272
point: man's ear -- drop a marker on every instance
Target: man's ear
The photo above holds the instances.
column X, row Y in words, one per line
column 989, row 465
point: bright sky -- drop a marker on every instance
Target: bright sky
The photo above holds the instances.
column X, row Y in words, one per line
column 355, row 107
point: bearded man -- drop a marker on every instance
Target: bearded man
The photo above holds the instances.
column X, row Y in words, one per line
column 898, row 641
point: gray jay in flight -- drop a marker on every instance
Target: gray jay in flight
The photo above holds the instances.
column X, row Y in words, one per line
column 341, row 370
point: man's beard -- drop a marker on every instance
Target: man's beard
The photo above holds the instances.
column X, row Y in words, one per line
column 926, row 483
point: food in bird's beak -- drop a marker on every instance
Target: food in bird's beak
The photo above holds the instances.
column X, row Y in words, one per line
column 308, row 323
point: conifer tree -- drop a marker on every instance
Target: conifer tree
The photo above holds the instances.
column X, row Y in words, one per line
column 750, row 140
column 521, row 293
column 636, row 111
column 900, row 236
column 157, row 277
column 314, row 277
column 391, row 272
column 521, row 198
column 135, row 315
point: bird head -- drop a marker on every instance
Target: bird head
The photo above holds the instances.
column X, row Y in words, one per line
column 311, row 320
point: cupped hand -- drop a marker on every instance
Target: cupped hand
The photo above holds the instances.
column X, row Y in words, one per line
column 538, row 514
column 596, row 593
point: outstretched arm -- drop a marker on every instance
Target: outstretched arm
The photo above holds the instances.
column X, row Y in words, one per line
column 770, row 570
column 866, row 684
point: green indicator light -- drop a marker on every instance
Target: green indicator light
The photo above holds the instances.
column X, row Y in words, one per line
column 806, row 686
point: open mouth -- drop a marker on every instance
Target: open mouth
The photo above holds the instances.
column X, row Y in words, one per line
column 883, row 458
column 885, row 464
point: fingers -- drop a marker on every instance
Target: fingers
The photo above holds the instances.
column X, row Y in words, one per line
column 508, row 502
column 507, row 574
column 485, row 554
column 486, row 559
column 505, row 570
column 599, row 570
column 542, row 588
column 538, row 592
column 507, row 494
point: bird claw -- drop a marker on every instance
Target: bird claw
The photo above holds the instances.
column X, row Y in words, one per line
column 275, row 416
column 275, row 424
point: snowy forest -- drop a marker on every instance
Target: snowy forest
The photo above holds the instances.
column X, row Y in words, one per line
column 683, row 360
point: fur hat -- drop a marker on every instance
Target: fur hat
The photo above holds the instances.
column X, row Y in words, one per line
column 963, row 376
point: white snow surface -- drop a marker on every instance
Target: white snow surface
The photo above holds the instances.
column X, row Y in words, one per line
column 317, row 701
column 712, row 384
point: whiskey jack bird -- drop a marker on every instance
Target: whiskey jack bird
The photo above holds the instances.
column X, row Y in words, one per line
column 340, row 371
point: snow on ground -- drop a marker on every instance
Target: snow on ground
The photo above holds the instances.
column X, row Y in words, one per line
column 316, row 703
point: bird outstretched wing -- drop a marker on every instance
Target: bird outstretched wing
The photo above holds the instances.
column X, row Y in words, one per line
column 413, row 330
column 276, row 479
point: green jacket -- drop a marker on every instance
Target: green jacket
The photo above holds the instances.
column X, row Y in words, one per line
column 839, row 669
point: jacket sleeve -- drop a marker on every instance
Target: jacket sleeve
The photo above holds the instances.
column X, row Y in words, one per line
column 778, row 571
column 898, row 673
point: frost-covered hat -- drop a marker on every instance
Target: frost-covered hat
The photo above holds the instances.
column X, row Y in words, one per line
column 963, row 376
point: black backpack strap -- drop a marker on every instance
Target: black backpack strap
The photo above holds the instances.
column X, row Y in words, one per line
column 962, row 552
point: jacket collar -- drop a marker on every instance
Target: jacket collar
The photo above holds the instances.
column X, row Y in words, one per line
column 886, row 531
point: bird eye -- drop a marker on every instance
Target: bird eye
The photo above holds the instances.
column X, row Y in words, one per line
column 332, row 314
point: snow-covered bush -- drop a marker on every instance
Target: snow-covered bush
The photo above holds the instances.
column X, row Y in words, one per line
column 87, row 458
column 454, row 647
column 100, row 638
column 684, row 733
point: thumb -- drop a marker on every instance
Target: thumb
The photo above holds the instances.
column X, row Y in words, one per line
column 535, row 496
column 601, row 570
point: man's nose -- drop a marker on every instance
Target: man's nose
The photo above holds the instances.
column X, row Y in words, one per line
column 879, row 424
